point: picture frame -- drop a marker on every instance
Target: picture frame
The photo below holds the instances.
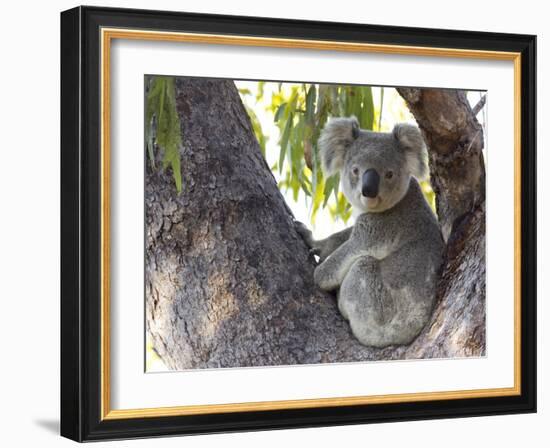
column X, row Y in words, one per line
column 86, row 37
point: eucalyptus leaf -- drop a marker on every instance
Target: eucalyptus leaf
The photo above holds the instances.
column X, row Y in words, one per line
column 310, row 103
column 161, row 109
column 284, row 141
column 280, row 112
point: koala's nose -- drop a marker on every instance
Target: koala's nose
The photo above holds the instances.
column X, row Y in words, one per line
column 370, row 184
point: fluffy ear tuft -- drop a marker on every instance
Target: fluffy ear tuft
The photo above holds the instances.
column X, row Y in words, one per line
column 334, row 140
column 410, row 140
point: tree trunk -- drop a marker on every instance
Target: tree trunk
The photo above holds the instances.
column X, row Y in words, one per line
column 229, row 282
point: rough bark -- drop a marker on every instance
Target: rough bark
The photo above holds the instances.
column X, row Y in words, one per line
column 230, row 283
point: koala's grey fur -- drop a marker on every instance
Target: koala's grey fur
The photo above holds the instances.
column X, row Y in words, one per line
column 385, row 267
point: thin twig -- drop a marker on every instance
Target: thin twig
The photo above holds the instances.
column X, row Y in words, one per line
column 474, row 137
column 479, row 105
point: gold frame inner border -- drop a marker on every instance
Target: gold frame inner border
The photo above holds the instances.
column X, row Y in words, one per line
column 107, row 35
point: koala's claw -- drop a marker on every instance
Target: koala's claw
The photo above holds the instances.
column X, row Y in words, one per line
column 315, row 251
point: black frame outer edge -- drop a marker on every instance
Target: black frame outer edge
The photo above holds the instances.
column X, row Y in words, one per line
column 80, row 224
column 529, row 223
column 71, row 385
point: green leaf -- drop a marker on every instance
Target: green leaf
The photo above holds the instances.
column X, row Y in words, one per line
column 317, row 201
column 342, row 208
column 354, row 101
column 291, row 107
column 305, row 187
column 330, row 184
column 314, row 173
column 336, row 185
column 295, row 185
column 321, row 100
column 310, row 104
column 162, row 97
column 368, row 109
column 296, row 149
column 176, row 172
column 161, row 104
column 260, row 93
column 284, row 141
column 280, row 111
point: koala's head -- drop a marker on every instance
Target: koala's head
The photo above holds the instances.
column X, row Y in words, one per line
column 375, row 167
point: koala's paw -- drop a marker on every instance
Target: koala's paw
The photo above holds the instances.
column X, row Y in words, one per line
column 305, row 233
column 315, row 247
column 307, row 236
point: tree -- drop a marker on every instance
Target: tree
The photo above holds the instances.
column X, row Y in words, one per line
column 229, row 282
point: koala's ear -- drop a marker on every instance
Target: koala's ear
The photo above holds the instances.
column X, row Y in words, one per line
column 411, row 142
column 334, row 141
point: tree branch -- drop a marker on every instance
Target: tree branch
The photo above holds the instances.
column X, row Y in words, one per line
column 479, row 105
column 455, row 141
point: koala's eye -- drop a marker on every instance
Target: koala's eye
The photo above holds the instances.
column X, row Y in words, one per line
column 355, row 171
column 389, row 174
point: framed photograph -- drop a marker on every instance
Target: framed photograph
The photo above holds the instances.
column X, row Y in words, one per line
column 272, row 223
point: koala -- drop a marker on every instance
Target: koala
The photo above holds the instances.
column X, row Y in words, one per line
column 384, row 268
